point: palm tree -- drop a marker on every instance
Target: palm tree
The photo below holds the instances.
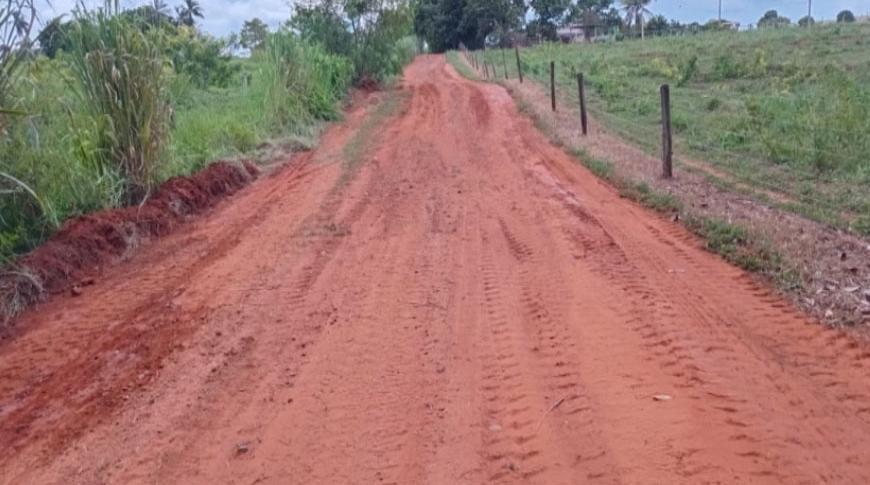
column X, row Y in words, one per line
column 635, row 10
column 187, row 11
column 159, row 6
column 158, row 11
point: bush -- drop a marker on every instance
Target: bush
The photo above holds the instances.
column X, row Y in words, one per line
column 303, row 81
column 726, row 67
column 846, row 16
column 201, row 58
column 375, row 39
column 121, row 77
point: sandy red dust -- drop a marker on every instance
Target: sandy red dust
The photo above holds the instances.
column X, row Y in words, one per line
column 470, row 307
column 86, row 243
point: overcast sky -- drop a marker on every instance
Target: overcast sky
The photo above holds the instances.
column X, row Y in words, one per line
column 225, row 16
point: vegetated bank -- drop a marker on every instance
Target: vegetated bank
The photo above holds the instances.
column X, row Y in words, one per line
column 779, row 110
column 111, row 103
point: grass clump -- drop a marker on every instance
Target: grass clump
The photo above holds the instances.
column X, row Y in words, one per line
column 120, row 75
column 740, row 247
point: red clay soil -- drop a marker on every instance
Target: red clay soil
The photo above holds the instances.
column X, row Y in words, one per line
column 470, row 306
column 86, row 243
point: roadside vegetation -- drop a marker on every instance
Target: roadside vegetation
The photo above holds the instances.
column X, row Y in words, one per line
column 747, row 249
column 785, row 112
column 99, row 107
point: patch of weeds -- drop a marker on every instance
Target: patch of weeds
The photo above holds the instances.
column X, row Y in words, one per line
column 19, row 289
column 861, row 225
column 355, row 149
column 656, row 200
column 461, row 66
column 242, row 138
column 639, row 192
column 739, row 246
column 601, row 168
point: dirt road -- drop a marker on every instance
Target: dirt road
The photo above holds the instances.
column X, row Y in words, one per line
column 437, row 297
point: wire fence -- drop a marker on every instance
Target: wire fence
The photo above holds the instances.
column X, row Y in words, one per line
column 792, row 183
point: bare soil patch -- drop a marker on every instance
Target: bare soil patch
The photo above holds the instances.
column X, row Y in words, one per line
column 84, row 245
column 832, row 266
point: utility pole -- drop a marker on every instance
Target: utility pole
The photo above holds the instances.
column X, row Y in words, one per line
column 810, row 8
column 720, row 10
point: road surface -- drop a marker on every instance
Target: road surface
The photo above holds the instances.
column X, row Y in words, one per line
column 464, row 305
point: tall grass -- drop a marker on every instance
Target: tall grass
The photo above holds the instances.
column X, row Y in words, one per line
column 122, row 108
column 121, row 76
column 303, row 81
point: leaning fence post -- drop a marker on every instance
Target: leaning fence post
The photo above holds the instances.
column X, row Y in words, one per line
column 504, row 63
column 667, row 140
column 519, row 67
column 582, row 95
column 553, row 85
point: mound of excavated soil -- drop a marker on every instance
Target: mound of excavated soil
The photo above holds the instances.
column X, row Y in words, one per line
column 86, row 243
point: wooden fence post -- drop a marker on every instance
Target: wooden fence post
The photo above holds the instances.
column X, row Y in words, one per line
column 504, row 62
column 667, row 140
column 581, row 93
column 519, row 66
column 553, row 85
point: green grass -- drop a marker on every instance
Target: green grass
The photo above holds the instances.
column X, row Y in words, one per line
column 53, row 152
column 744, row 248
column 462, row 67
column 785, row 110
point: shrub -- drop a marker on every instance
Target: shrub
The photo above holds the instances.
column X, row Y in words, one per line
column 372, row 36
column 726, row 67
column 303, row 80
column 201, row 58
column 121, row 77
column 846, row 16
column 688, row 70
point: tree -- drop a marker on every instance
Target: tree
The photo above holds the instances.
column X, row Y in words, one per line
column 658, row 25
column 806, row 21
column 445, row 24
column 146, row 16
column 594, row 13
column 635, row 11
column 187, row 12
column 484, row 17
column 54, row 37
column 548, row 14
column 323, row 24
column 253, row 34
column 771, row 18
column 846, row 16
column 158, row 11
column 17, row 18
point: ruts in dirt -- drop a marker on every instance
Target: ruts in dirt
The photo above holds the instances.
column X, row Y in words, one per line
column 465, row 305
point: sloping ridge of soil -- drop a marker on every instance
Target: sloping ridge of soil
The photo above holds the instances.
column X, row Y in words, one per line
column 88, row 242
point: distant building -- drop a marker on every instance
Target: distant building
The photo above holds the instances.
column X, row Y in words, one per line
column 588, row 29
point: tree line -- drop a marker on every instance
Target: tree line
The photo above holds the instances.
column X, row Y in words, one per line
column 447, row 24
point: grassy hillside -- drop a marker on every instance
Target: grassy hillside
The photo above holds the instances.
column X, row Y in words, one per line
column 785, row 111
